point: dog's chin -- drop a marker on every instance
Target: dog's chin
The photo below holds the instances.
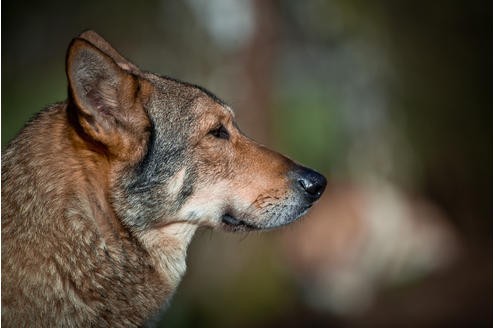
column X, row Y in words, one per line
column 233, row 223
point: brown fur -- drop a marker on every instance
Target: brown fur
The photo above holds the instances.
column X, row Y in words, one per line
column 102, row 194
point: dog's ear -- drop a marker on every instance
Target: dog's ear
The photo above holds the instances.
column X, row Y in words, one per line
column 106, row 97
column 98, row 41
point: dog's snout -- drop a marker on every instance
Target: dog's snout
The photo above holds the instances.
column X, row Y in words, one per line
column 311, row 182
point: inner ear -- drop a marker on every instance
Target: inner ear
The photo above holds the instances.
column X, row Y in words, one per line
column 96, row 85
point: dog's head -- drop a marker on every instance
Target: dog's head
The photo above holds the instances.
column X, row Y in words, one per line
column 176, row 151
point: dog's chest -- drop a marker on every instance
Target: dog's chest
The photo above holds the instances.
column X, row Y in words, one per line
column 123, row 288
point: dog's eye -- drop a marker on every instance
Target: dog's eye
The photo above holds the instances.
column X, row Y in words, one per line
column 220, row 132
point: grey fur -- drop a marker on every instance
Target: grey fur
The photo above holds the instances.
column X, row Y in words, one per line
column 102, row 194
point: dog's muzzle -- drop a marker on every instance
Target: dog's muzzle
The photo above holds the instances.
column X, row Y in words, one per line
column 307, row 187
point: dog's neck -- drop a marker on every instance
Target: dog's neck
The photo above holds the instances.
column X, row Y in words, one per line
column 166, row 245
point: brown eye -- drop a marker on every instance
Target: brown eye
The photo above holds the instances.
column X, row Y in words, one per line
column 220, row 132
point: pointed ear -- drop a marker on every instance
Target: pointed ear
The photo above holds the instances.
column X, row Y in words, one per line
column 105, row 95
column 98, row 41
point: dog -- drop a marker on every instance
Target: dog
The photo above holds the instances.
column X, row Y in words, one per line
column 102, row 193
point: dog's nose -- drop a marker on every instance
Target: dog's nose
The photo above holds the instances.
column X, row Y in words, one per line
column 312, row 182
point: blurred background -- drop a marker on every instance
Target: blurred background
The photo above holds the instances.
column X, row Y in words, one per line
column 392, row 100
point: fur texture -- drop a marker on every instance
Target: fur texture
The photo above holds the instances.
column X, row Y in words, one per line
column 102, row 193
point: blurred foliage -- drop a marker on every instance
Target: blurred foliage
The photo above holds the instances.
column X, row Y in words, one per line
column 396, row 91
column 258, row 290
column 312, row 137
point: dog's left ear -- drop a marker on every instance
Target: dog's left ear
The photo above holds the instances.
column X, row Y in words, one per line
column 107, row 97
column 102, row 44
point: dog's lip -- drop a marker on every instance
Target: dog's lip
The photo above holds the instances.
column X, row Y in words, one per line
column 237, row 224
column 233, row 223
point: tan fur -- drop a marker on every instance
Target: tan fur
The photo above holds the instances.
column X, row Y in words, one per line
column 76, row 212
column 102, row 194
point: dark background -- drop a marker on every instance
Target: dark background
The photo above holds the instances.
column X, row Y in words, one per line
column 392, row 100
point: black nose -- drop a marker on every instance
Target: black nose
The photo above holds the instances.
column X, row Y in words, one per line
column 313, row 183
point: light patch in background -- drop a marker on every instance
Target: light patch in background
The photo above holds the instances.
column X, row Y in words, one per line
column 362, row 239
column 230, row 23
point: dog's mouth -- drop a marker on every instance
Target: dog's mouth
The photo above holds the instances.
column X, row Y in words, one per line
column 232, row 223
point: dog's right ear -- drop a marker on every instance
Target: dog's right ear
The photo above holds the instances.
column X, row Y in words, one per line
column 106, row 96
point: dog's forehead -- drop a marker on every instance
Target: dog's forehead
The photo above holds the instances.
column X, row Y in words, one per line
column 189, row 97
column 205, row 105
column 228, row 110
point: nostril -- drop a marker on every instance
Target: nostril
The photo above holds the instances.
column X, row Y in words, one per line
column 310, row 187
column 312, row 182
column 305, row 184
